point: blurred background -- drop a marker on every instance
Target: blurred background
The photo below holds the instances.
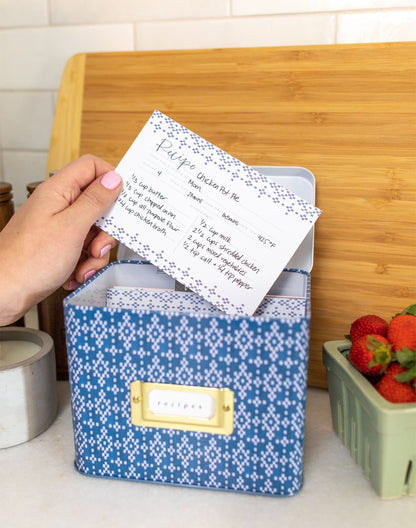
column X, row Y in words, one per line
column 37, row 37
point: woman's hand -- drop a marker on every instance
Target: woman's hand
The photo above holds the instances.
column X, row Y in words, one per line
column 52, row 240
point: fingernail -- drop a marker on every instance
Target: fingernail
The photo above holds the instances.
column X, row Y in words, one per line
column 89, row 274
column 111, row 180
column 73, row 285
column 105, row 250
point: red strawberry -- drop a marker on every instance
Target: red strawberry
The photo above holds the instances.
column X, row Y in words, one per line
column 370, row 354
column 393, row 390
column 402, row 332
column 366, row 325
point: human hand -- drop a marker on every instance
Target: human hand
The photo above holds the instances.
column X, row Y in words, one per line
column 52, row 240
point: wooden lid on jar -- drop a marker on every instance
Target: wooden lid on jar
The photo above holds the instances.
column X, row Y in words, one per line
column 5, row 192
column 30, row 187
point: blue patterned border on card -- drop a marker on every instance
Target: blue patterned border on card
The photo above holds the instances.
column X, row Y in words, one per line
column 235, row 169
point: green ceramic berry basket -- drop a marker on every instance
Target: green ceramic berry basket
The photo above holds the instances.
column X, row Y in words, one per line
column 380, row 435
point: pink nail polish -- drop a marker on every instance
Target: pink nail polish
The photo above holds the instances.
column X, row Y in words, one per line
column 89, row 274
column 73, row 285
column 105, row 250
column 111, row 180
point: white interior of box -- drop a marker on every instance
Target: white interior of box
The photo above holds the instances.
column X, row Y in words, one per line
column 187, row 302
column 145, row 275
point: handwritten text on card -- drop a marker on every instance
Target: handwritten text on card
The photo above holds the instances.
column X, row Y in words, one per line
column 211, row 222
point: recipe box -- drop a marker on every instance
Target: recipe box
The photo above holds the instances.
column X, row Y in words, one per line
column 178, row 394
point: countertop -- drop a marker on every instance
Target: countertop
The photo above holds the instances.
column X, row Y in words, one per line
column 40, row 487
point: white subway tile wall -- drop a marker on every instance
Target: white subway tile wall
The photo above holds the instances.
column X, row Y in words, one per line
column 25, row 166
column 377, row 27
column 34, row 58
column 21, row 112
column 108, row 11
column 28, row 13
column 236, row 32
column 37, row 37
column 268, row 7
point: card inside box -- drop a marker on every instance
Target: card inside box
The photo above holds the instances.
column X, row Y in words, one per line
column 123, row 286
column 288, row 285
column 189, row 302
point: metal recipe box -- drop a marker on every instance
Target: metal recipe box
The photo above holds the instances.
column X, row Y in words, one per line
column 167, row 389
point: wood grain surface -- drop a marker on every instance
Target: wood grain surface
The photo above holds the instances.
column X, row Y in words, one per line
column 345, row 112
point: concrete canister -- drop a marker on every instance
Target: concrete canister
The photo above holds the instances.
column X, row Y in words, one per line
column 28, row 392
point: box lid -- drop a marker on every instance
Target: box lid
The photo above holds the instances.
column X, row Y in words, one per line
column 300, row 181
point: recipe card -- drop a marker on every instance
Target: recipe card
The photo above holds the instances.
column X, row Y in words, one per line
column 206, row 219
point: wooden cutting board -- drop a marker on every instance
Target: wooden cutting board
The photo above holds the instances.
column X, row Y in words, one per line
column 345, row 112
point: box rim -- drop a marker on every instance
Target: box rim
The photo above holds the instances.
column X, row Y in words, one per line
column 67, row 300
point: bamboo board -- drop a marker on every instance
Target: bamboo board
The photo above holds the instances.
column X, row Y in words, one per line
column 345, row 112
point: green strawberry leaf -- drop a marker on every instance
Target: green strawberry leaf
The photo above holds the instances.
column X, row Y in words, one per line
column 381, row 352
column 406, row 357
column 411, row 310
column 407, row 375
column 372, row 343
column 347, row 336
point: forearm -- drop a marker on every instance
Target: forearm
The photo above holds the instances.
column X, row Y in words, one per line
column 11, row 309
column 14, row 298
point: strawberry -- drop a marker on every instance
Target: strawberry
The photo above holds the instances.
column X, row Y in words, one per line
column 393, row 390
column 370, row 354
column 366, row 325
column 402, row 331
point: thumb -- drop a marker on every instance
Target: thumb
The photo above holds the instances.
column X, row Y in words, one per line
column 94, row 201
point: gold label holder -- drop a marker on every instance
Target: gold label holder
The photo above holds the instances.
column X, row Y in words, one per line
column 183, row 407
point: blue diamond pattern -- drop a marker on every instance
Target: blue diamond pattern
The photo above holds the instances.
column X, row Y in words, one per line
column 263, row 360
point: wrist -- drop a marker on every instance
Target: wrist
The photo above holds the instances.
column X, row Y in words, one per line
column 14, row 299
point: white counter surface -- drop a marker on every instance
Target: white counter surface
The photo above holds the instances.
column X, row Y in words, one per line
column 40, row 487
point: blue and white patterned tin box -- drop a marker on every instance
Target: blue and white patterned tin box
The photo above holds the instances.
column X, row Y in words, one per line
column 167, row 389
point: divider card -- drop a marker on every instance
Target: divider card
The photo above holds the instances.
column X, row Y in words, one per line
column 205, row 218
